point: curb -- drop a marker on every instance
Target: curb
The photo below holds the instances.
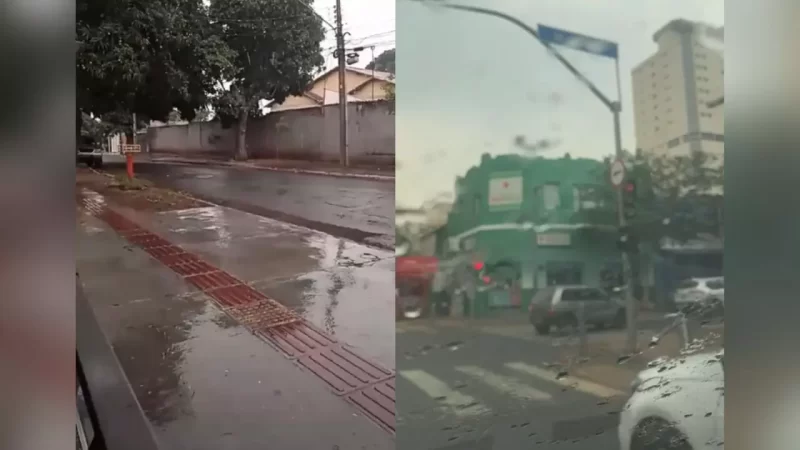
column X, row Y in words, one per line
column 363, row 383
column 382, row 178
column 179, row 193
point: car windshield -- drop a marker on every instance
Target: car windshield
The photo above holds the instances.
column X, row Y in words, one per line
column 580, row 146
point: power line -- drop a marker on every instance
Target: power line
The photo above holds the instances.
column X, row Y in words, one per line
column 362, row 39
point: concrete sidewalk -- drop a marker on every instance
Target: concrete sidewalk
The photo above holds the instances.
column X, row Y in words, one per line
column 204, row 380
column 341, row 287
column 304, row 167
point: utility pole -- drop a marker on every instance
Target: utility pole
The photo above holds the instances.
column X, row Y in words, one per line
column 340, row 55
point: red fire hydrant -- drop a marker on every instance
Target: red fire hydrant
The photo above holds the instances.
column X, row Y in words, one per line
column 129, row 164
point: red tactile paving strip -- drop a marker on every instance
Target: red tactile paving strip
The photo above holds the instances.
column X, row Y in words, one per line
column 243, row 298
column 296, row 339
column 365, row 384
column 188, row 268
column 164, row 252
column 261, row 314
column 378, row 402
column 343, row 370
column 214, row 280
column 148, row 240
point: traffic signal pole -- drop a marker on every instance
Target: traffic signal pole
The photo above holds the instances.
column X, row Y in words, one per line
column 627, row 272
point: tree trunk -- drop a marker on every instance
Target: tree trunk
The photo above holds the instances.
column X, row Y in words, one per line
column 241, row 136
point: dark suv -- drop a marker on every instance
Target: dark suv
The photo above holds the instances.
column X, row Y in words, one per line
column 559, row 306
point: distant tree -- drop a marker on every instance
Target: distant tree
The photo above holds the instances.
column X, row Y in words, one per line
column 389, row 90
column 174, row 116
column 276, row 52
column 383, row 62
column 204, row 115
column 678, row 197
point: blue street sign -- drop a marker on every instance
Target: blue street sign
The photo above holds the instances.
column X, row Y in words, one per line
column 580, row 42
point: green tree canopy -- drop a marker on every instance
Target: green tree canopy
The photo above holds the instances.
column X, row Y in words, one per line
column 276, row 52
column 383, row 62
column 678, row 197
column 146, row 57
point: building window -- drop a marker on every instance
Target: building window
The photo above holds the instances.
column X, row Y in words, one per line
column 673, row 143
column 561, row 273
column 708, row 115
column 576, row 198
column 551, row 198
column 585, row 198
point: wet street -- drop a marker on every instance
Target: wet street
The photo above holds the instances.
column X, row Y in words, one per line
column 206, row 382
column 490, row 392
column 358, row 209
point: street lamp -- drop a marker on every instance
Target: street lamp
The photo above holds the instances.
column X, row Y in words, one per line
column 614, row 106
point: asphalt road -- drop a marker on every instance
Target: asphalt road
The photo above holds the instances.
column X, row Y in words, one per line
column 357, row 209
column 488, row 392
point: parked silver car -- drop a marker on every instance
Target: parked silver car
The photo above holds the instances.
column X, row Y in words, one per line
column 558, row 306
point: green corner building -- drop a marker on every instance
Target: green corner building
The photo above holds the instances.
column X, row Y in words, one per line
column 519, row 224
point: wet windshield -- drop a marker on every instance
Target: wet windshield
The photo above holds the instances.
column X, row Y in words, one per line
column 579, row 146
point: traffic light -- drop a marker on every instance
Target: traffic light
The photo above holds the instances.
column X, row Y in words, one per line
column 629, row 199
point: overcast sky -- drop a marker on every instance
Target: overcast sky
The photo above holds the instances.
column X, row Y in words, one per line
column 469, row 84
column 369, row 22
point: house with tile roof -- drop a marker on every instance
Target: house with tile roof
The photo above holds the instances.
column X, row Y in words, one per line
column 363, row 85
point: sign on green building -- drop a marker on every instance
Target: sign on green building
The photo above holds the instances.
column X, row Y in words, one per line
column 506, row 191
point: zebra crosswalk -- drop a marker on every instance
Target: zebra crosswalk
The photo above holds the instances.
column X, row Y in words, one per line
column 471, row 390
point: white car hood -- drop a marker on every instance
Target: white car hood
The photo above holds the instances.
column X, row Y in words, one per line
column 702, row 367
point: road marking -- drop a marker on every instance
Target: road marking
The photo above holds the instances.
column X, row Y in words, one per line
column 458, row 403
column 585, row 386
column 505, row 384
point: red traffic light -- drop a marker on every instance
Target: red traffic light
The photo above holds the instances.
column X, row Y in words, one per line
column 477, row 265
column 630, row 187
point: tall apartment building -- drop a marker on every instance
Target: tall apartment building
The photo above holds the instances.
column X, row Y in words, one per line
column 674, row 91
